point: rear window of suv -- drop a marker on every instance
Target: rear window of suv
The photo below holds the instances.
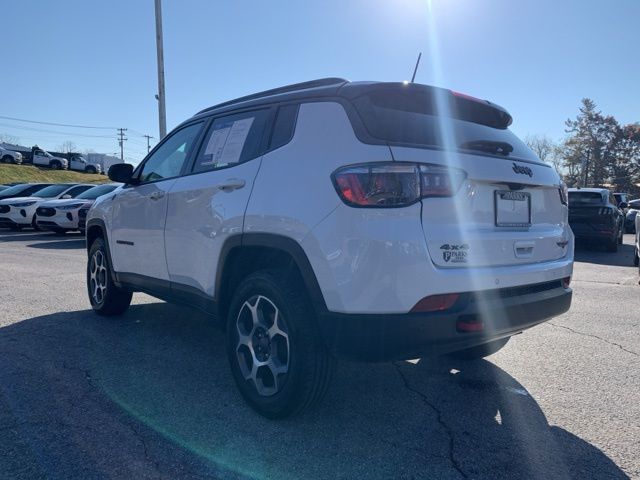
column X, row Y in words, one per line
column 585, row 198
column 409, row 117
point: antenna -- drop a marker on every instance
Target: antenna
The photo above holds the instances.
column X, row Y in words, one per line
column 415, row 70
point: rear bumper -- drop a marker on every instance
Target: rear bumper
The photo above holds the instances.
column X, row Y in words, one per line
column 587, row 231
column 380, row 337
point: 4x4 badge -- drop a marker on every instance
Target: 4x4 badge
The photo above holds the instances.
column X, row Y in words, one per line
column 522, row 170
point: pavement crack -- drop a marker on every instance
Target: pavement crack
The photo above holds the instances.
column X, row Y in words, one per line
column 439, row 418
column 594, row 336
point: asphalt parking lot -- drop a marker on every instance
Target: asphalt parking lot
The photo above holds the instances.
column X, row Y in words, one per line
column 149, row 395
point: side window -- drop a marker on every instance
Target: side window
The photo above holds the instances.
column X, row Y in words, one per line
column 284, row 126
column 232, row 139
column 168, row 159
column 75, row 191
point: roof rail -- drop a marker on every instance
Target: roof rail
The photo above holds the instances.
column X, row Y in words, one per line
column 322, row 82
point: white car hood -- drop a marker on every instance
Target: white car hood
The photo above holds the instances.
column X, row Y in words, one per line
column 8, row 201
column 66, row 201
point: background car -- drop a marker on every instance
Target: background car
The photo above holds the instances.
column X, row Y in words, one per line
column 630, row 220
column 594, row 216
column 19, row 212
column 9, row 156
column 22, row 190
column 63, row 215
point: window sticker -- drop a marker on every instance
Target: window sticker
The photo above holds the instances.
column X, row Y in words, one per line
column 226, row 143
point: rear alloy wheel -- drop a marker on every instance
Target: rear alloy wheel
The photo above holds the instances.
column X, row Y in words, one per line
column 277, row 357
column 106, row 298
column 480, row 351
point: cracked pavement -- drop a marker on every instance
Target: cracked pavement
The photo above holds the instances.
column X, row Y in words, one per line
column 149, row 395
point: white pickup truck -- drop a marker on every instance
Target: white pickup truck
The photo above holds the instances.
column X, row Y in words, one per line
column 9, row 156
column 45, row 159
column 81, row 164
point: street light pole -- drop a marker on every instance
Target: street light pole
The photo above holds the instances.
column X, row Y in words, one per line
column 162, row 112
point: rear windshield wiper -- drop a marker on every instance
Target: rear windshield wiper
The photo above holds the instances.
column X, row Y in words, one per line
column 488, row 146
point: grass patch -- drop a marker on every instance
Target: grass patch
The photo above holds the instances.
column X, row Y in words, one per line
column 31, row 174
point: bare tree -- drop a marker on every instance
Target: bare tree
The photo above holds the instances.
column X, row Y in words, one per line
column 546, row 150
column 5, row 138
column 67, row 147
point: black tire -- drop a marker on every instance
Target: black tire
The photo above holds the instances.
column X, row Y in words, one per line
column 55, row 165
column 34, row 224
column 110, row 300
column 91, row 170
column 611, row 245
column 309, row 366
column 7, row 159
column 480, row 351
column 636, row 259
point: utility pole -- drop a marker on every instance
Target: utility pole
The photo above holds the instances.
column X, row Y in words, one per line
column 162, row 112
column 121, row 141
column 148, row 137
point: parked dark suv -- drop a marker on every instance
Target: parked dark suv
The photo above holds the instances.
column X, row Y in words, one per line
column 594, row 215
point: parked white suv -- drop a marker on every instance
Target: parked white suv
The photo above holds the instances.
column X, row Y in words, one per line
column 19, row 212
column 45, row 159
column 374, row 221
column 68, row 214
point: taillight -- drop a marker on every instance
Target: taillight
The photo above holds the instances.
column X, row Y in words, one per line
column 605, row 211
column 395, row 184
column 564, row 193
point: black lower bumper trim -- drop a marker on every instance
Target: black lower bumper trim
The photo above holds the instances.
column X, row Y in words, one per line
column 379, row 337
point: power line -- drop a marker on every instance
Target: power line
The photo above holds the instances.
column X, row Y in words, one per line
column 57, row 124
column 68, row 134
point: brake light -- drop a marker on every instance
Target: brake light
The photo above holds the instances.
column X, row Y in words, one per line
column 395, row 184
column 605, row 211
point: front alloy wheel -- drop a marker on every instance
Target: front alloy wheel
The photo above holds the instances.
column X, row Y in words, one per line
column 105, row 296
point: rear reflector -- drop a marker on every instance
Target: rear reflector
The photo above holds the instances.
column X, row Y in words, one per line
column 469, row 325
column 436, row 303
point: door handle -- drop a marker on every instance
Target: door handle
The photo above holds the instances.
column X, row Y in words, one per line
column 231, row 184
column 156, row 195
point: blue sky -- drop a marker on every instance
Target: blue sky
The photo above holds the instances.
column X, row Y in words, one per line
column 94, row 63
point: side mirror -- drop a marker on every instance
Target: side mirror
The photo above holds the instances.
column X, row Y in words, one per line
column 623, row 205
column 66, row 196
column 121, row 172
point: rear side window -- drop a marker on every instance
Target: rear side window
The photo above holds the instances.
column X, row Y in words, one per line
column 284, row 126
column 411, row 118
column 232, row 140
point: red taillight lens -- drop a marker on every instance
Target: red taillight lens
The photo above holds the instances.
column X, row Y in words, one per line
column 395, row 184
column 436, row 303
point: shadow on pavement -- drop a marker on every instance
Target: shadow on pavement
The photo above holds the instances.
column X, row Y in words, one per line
column 67, row 244
column 150, row 394
column 588, row 253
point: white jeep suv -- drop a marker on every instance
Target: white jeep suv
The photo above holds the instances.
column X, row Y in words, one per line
column 372, row 221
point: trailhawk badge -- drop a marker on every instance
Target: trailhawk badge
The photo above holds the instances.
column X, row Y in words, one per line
column 455, row 253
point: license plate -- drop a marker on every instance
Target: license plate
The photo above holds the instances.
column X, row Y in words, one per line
column 513, row 208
